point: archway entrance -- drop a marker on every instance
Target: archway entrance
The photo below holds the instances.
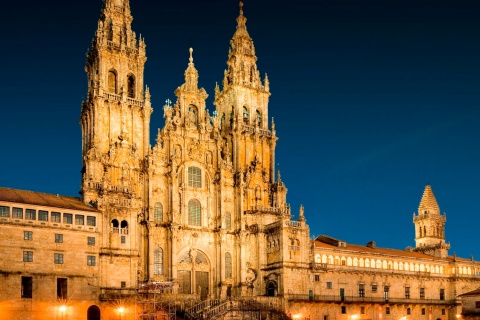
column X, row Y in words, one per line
column 193, row 274
column 93, row 313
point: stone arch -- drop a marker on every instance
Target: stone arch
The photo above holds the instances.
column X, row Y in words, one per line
column 112, row 81
column 93, row 313
column 131, row 85
column 245, row 115
column 271, row 289
column 114, row 226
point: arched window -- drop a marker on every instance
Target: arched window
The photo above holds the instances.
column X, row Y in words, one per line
column 112, row 82
column 228, row 266
column 245, row 115
column 158, row 261
column 124, row 227
column 228, row 220
column 131, row 86
column 271, row 289
column 317, row 258
column 420, row 231
column 158, row 212
column 114, row 226
column 194, row 177
column 194, row 213
column 259, row 118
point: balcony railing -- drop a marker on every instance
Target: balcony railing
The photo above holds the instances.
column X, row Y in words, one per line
column 111, row 294
column 356, row 299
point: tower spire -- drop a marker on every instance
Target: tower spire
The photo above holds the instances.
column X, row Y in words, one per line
column 430, row 226
column 428, row 204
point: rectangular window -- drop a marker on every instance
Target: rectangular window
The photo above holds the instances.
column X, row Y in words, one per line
column 17, row 213
column 344, row 310
column 423, row 311
column 477, row 304
column 56, row 217
column 30, row 214
column 329, row 285
column 27, row 256
column 422, row 293
column 58, row 238
column 79, row 219
column 386, row 289
column 42, row 215
column 317, row 278
column 91, row 221
column 374, row 288
column 387, row 310
column 123, row 284
column 408, row 311
column 442, row 294
column 362, row 310
column 443, row 312
column 123, row 239
column 194, row 177
column 62, row 288
column 361, row 290
column 91, row 260
column 58, row 258
column 4, row 211
column 27, row 286
column 91, row 241
column 407, row 292
column 27, row 235
column 67, row 218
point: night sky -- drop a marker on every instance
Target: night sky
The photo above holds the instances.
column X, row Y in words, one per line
column 372, row 100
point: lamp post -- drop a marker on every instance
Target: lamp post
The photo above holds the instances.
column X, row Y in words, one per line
column 62, row 310
column 121, row 311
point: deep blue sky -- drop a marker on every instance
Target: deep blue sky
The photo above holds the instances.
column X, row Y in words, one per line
column 372, row 101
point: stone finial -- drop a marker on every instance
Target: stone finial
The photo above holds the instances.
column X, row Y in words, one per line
column 191, row 55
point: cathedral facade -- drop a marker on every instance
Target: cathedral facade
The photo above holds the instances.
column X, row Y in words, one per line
column 202, row 215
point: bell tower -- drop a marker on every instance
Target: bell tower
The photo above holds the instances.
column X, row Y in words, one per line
column 430, row 226
column 242, row 106
column 115, row 121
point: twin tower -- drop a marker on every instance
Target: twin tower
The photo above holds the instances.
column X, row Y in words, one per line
column 202, row 208
column 178, row 210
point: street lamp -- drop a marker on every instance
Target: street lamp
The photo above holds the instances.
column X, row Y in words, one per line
column 62, row 311
column 121, row 311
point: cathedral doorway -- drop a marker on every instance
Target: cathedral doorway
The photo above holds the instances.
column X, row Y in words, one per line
column 93, row 313
column 193, row 274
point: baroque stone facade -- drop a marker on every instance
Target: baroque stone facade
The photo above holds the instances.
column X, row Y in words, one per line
column 203, row 212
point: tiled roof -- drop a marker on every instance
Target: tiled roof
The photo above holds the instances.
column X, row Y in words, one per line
column 428, row 202
column 43, row 199
column 475, row 292
column 392, row 252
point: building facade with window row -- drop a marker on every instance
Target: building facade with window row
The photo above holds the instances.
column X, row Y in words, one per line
column 203, row 212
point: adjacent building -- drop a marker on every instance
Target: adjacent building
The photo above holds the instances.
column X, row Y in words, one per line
column 202, row 215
